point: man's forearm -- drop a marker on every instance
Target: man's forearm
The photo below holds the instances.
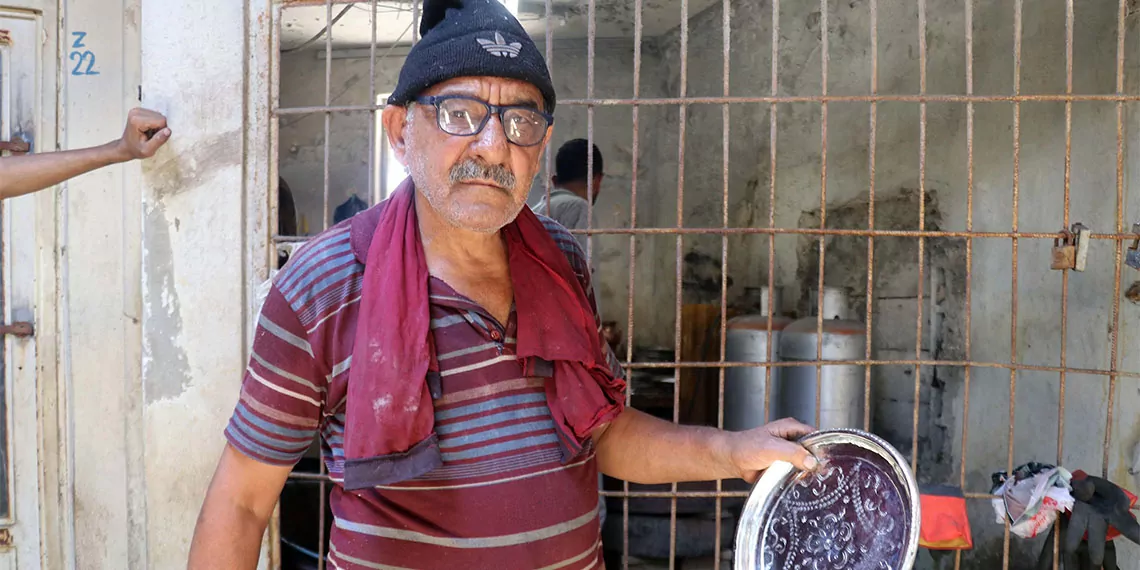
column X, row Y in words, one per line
column 24, row 174
column 640, row 448
column 229, row 539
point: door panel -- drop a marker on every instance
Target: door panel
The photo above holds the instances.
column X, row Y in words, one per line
column 20, row 92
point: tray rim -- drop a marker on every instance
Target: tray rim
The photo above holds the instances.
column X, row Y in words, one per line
column 764, row 493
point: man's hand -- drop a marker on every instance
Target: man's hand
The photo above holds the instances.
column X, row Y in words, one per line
column 145, row 133
column 751, row 452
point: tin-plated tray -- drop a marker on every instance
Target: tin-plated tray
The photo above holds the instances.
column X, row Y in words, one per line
column 858, row 511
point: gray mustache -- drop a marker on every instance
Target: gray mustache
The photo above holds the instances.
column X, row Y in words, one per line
column 469, row 170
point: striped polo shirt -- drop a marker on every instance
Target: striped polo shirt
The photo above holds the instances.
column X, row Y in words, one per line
column 502, row 498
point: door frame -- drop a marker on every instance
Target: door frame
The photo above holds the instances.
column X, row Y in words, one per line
column 28, row 244
column 20, row 252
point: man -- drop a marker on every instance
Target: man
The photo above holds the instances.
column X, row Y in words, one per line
column 145, row 133
column 569, row 201
column 445, row 346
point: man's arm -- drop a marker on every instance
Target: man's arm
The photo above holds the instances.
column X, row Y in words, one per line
column 640, row 448
column 146, row 131
column 238, row 505
column 275, row 421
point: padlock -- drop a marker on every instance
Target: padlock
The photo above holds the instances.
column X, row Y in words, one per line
column 1064, row 254
column 1132, row 254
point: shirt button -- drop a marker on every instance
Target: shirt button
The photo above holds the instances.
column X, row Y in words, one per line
column 495, row 335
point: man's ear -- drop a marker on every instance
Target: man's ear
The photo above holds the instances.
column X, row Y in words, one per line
column 554, row 181
column 395, row 119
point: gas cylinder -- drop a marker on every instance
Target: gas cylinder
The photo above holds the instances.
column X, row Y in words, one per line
column 840, row 388
column 745, row 388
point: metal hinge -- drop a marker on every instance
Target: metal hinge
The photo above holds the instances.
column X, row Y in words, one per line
column 15, row 146
column 21, row 329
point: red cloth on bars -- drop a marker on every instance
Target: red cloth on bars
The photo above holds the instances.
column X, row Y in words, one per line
column 389, row 424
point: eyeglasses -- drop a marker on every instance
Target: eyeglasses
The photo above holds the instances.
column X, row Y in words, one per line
column 466, row 116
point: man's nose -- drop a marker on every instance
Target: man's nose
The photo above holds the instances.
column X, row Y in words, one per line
column 491, row 143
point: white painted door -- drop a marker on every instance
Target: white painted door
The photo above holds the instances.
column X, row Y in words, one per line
column 20, row 82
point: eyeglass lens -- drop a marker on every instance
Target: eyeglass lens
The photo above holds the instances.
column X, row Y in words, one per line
column 465, row 117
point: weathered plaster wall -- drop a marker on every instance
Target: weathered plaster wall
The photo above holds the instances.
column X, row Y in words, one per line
column 194, row 268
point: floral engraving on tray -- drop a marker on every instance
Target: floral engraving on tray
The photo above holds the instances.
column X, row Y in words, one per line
column 849, row 515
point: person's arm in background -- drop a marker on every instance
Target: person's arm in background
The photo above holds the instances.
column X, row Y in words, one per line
column 146, row 131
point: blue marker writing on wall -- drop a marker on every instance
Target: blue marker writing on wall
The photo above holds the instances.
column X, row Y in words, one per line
column 81, row 55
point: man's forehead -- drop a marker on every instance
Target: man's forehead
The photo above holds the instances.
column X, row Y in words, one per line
column 496, row 90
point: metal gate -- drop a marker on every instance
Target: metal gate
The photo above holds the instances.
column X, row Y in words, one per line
column 1028, row 237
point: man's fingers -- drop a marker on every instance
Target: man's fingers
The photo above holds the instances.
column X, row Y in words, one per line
column 1098, row 530
column 148, row 123
column 146, row 120
column 794, row 453
column 151, row 146
column 789, row 428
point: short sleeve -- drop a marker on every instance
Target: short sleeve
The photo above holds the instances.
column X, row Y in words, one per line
column 577, row 258
column 283, row 391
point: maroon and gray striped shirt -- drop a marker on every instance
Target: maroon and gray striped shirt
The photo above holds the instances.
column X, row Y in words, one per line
column 502, row 497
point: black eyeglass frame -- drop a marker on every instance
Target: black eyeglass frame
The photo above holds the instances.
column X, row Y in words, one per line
column 437, row 100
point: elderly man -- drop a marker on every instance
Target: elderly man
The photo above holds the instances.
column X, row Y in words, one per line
column 446, row 347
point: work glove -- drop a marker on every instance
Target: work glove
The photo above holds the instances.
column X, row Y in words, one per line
column 1098, row 504
column 1080, row 559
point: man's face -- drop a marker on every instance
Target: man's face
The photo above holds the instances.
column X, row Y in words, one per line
column 477, row 183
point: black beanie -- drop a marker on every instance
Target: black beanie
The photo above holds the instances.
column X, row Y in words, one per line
column 471, row 38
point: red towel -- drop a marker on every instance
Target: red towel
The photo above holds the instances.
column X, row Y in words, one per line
column 945, row 525
column 389, row 424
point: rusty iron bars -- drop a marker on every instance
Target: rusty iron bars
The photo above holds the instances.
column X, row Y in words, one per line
column 773, row 99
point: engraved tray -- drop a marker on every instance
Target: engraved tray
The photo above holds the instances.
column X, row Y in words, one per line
column 858, row 511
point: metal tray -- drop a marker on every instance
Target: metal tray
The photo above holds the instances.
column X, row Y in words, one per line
column 858, row 511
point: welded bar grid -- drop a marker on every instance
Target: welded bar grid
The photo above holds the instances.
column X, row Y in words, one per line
column 773, row 111
column 1121, row 15
column 969, row 20
column 1069, row 17
column 824, row 56
column 636, row 146
column 773, row 99
column 726, row 59
column 921, row 226
column 1017, row 5
column 682, row 122
column 871, row 155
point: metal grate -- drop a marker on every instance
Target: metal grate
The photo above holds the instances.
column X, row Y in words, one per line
column 774, row 101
